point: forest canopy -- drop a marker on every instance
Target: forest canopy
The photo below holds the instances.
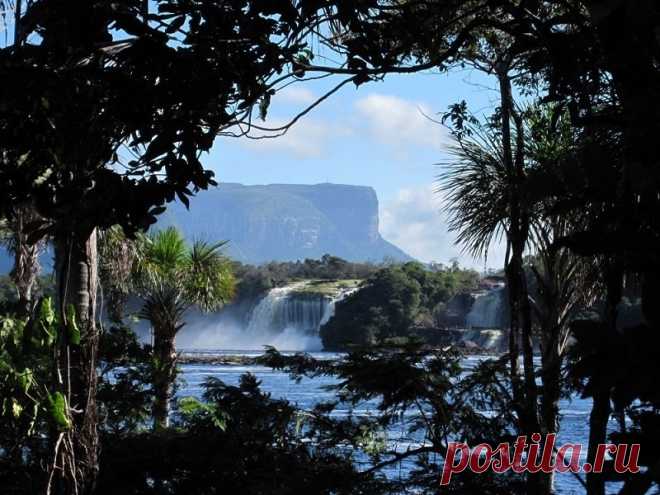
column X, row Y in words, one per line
column 106, row 110
column 391, row 301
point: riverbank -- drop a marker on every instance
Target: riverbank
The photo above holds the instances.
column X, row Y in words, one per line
column 309, row 392
column 225, row 358
column 216, row 359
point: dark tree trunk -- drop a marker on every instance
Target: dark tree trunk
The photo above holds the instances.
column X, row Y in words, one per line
column 557, row 296
column 531, row 394
column 76, row 265
column 512, row 285
column 520, row 336
column 17, row 22
column 164, row 375
column 550, row 307
column 601, row 408
column 551, row 390
column 598, row 419
column 632, row 61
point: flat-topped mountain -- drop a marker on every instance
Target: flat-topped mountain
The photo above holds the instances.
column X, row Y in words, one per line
column 279, row 222
column 287, row 222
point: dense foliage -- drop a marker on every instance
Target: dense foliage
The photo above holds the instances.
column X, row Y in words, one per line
column 238, row 440
column 391, row 301
column 9, row 298
column 426, row 397
column 105, row 111
column 31, row 403
column 255, row 280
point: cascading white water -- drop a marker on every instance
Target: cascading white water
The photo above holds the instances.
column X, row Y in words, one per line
column 287, row 318
column 290, row 320
column 487, row 310
column 284, row 308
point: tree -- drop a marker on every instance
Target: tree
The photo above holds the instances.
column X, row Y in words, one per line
column 171, row 278
column 21, row 217
column 105, row 109
column 486, row 202
column 427, row 397
column 117, row 255
column 385, row 307
column 493, row 50
column 560, row 282
column 238, row 438
column 25, row 250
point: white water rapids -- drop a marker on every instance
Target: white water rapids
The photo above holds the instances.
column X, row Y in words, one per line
column 287, row 318
column 487, row 310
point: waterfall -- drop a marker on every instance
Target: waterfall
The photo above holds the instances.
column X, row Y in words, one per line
column 289, row 319
column 487, row 310
column 284, row 308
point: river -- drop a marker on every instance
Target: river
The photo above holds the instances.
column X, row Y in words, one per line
column 574, row 412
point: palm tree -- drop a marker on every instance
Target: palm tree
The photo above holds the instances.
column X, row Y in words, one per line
column 475, row 184
column 478, row 182
column 564, row 283
column 18, row 235
column 171, row 278
column 478, row 188
column 117, row 256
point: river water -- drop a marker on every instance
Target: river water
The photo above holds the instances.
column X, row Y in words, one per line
column 306, row 393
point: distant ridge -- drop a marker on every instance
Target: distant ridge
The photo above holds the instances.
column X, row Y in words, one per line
column 279, row 222
column 286, row 222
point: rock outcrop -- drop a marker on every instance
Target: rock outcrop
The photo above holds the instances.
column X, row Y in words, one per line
column 281, row 222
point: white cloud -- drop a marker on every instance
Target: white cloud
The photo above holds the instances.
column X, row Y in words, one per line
column 400, row 123
column 308, row 138
column 295, row 95
column 414, row 221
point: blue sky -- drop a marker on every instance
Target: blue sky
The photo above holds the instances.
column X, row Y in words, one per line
column 375, row 135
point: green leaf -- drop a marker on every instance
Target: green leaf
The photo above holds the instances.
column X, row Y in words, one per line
column 47, row 314
column 72, row 326
column 25, row 379
column 12, row 330
column 219, row 419
column 16, row 408
column 189, row 407
column 59, row 410
column 47, row 321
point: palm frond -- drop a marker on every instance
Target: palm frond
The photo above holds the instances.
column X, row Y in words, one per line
column 210, row 282
column 164, row 309
column 474, row 183
column 161, row 256
column 117, row 255
column 167, row 248
column 201, row 274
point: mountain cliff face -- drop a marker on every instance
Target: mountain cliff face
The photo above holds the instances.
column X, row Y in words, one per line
column 287, row 222
column 280, row 222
